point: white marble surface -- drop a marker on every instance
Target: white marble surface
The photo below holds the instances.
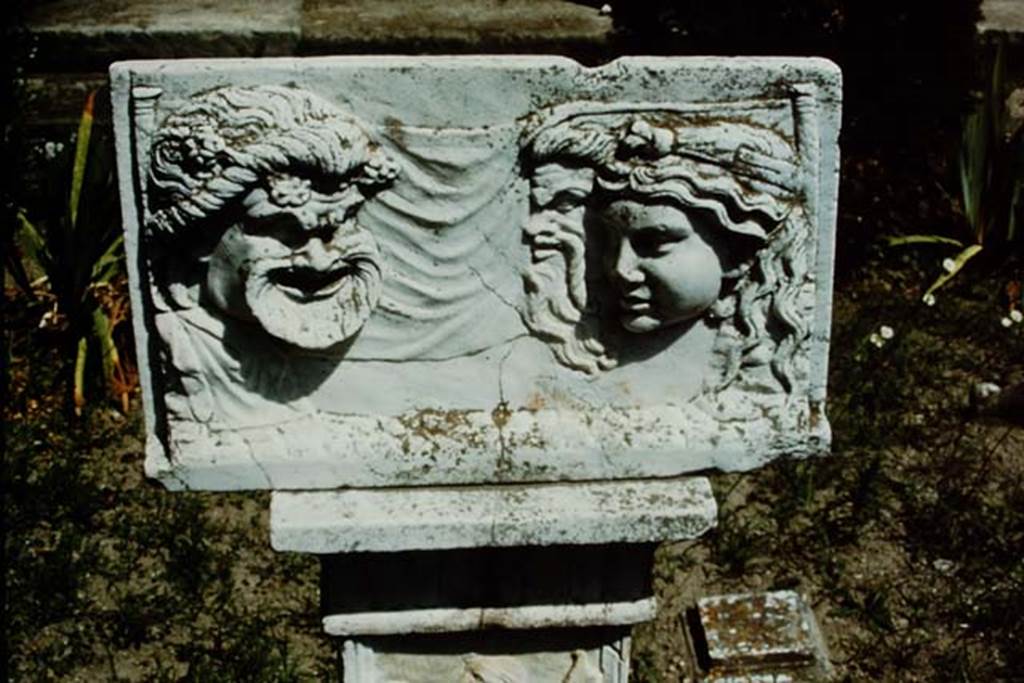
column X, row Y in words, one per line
column 451, row 620
column 370, row 271
column 391, row 520
column 593, row 658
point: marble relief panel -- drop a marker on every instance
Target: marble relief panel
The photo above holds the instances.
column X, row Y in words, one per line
column 414, row 271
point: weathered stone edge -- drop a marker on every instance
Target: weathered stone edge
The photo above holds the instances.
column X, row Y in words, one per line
column 447, row 620
column 440, row 518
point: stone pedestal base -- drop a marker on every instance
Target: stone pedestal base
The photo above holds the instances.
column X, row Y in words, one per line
column 508, row 583
column 580, row 655
column 486, row 588
column 488, row 614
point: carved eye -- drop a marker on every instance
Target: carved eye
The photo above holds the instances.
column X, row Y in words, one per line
column 567, row 201
column 652, row 242
column 284, row 228
column 328, row 186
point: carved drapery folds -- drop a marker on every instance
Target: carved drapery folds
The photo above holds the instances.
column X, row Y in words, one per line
column 393, row 288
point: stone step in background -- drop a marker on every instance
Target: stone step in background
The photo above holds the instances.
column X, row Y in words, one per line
column 76, row 36
column 1003, row 16
column 1003, row 23
column 71, row 43
column 67, row 46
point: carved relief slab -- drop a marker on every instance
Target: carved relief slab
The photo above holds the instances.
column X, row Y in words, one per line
column 396, row 271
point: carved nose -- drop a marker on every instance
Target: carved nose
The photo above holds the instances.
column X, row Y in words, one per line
column 307, row 218
column 627, row 264
column 316, row 255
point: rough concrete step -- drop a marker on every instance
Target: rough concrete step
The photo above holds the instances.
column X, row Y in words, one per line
column 73, row 36
column 1003, row 16
column 1002, row 23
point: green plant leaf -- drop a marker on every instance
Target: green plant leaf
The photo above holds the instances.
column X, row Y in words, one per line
column 974, row 168
column 103, row 331
column 959, row 261
column 1016, row 207
column 904, row 240
column 81, row 157
column 27, row 254
column 17, row 270
column 110, row 263
column 996, row 100
column 32, row 243
column 81, row 357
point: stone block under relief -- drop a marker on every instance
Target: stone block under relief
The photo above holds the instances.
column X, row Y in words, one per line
column 441, row 518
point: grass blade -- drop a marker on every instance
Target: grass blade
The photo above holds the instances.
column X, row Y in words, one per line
column 903, row 240
column 81, row 156
column 113, row 372
column 1016, row 208
column 110, row 263
column 974, row 169
column 32, row 242
column 79, row 387
column 27, row 253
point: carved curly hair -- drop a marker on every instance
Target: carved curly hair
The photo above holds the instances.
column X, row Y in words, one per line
column 221, row 143
column 556, row 288
column 742, row 176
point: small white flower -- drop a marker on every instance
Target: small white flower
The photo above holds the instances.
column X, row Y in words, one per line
column 985, row 390
column 51, row 319
column 948, row 265
column 1005, row 322
column 1016, row 316
column 52, row 149
column 876, row 339
column 928, row 299
column 606, row 9
column 886, row 332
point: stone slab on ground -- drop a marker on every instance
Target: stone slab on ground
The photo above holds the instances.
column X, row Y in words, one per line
column 770, row 636
column 391, row 520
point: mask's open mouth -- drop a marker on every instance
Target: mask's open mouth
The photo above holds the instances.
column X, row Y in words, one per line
column 303, row 283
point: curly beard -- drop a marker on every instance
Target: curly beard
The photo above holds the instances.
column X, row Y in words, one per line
column 317, row 308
